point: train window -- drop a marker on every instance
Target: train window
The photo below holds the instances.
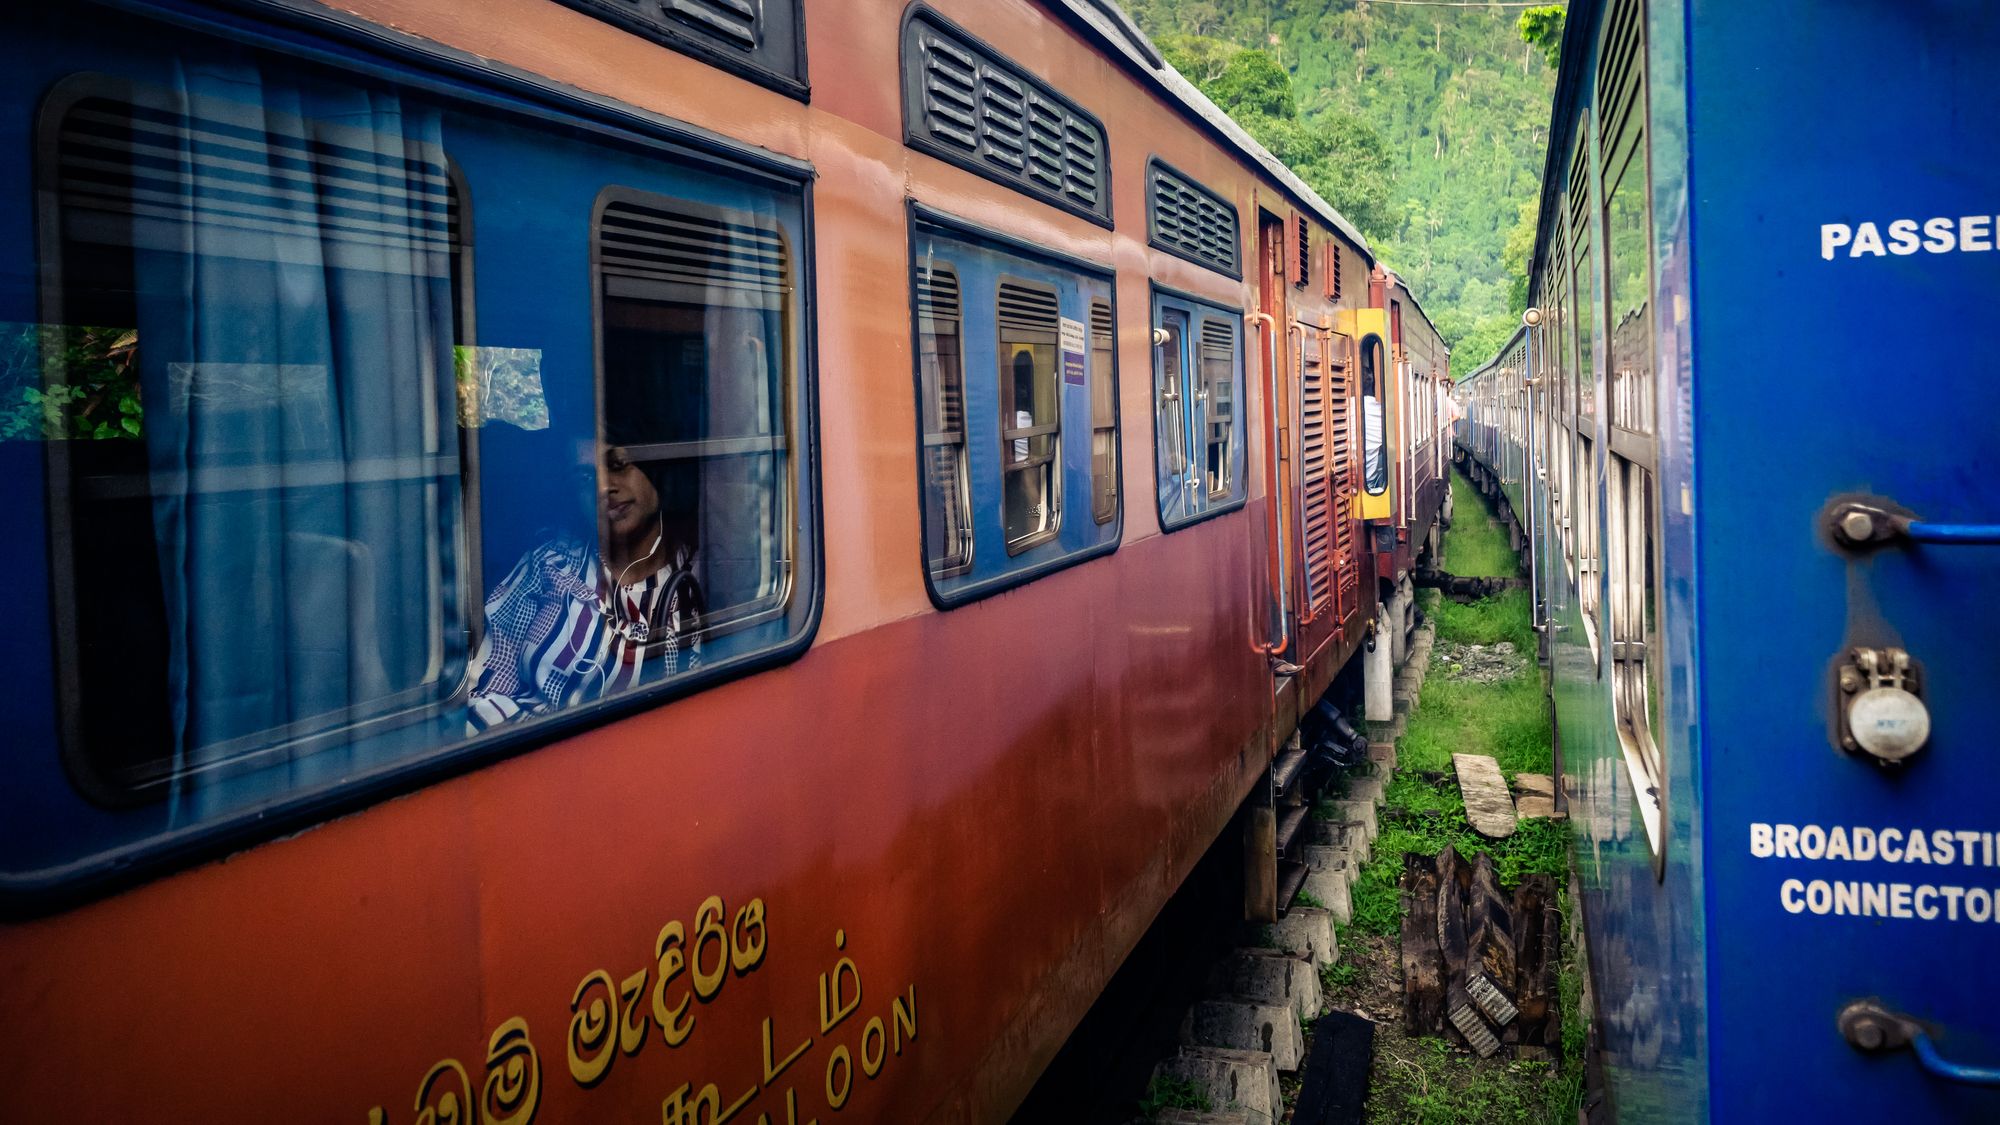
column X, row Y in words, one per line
column 1374, row 442
column 1634, row 622
column 1627, row 258
column 1030, row 413
column 696, row 530
column 1589, row 546
column 275, row 471
column 248, row 409
column 763, row 41
column 1103, row 416
column 1589, row 313
column 941, row 377
column 1198, row 380
column 1013, row 346
column 1631, row 451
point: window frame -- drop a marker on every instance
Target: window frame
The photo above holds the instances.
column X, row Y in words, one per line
column 959, row 561
column 918, row 215
column 1198, row 310
column 345, row 47
column 756, row 613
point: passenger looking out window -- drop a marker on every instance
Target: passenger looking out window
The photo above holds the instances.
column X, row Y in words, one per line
column 692, row 543
column 1374, row 446
column 578, row 620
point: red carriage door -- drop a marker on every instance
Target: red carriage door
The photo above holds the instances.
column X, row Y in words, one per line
column 1273, row 242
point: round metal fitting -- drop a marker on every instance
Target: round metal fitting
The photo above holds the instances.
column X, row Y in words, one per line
column 1858, row 526
column 1532, row 317
column 1889, row 723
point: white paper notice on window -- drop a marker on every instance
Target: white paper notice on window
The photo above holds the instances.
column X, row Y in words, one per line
column 1070, row 336
column 501, row 385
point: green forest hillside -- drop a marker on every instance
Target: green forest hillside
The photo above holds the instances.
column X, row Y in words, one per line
column 1424, row 125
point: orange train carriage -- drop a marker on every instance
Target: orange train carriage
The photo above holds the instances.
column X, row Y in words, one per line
column 582, row 561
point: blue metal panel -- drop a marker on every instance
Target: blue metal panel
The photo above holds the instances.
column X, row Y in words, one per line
column 1641, row 896
column 1823, row 373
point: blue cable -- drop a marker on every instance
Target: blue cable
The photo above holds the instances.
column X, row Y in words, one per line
column 1953, row 533
column 1956, row 1072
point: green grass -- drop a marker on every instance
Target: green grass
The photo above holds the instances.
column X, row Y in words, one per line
column 1503, row 617
column 1426, row 1081
column 1474, row 548
column 1172, row 1093
column 1338, row 976
column 1508, row 720
column 1437, row 1085
column 1423, row 815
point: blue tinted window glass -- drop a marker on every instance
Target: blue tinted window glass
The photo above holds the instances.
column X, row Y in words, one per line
column 1016, row 390
column 308, row 473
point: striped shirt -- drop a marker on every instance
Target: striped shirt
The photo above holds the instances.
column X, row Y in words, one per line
column 557, row 634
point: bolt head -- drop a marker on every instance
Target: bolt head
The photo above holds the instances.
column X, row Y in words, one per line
column 1858, row 526
column 1850, row 680
column 1868, row 1035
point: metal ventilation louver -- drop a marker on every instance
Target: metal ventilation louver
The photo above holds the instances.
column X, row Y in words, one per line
column 965, row 103
column 1189, row 221
column 763, row 40
column 653, row 254
column 1027, row 315
column 1303, row 230
column 1315, row 501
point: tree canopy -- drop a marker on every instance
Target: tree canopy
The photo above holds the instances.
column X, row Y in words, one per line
column 1424, row 126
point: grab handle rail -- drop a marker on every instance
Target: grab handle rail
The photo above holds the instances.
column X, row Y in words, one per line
column 1869, row 1026
column 1857, row 524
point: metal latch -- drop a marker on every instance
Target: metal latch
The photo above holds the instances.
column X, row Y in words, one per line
column 1881, row 708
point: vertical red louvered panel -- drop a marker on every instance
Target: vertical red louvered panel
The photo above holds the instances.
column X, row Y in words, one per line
column 1315, row 516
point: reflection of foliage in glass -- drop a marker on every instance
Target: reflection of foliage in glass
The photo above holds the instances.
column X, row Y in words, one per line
column 1625, row 229
column 94, row 390
column 500, row 385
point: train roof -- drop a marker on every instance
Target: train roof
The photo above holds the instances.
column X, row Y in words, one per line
column 1105, row 23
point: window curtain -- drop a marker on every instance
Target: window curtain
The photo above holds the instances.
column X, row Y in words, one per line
column 296, row 329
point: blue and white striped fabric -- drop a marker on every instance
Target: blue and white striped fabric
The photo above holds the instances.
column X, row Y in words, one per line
column 557, row 634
